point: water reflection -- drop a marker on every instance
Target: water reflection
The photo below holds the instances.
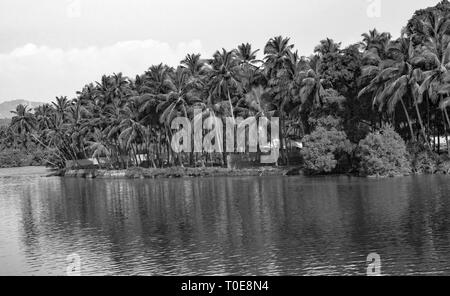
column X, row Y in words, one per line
column 210, row 226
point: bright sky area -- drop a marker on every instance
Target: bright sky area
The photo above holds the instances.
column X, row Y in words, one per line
column 54, row 47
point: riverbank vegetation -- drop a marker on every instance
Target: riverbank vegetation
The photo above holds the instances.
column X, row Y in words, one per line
column 377, row 107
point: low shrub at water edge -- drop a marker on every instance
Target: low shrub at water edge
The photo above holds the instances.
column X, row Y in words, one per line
column 20, row 158
column 383, row 153
column 422, row 160
column 444, row 167
column 324, row 148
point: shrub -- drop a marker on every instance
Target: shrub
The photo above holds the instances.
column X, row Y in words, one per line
column 425, row 162
column 12, row 157
column 323, row 149
column 444, row 168
column 422, row 160
column 328, row 122
column 383, row 153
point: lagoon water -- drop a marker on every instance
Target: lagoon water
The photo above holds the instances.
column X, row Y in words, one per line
column 223, row 226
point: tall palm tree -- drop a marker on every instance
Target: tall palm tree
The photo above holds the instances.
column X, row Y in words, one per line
column 397, row 81
column 98, row 147
column 62, row 105
column 327, row 46
column 246, row 54
column 194, row 64
column 376, row 43
column 277, row 62
column 311, row 87
column 43, row 115
column 225, row 81
column 276, row 52
column 132, row 135
column 23, row 123
column 437, row 53
column 181, row 98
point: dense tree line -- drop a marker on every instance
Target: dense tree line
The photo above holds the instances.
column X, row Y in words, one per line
column 403, row 82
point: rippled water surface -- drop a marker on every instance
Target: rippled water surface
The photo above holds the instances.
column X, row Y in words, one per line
column 219, row 226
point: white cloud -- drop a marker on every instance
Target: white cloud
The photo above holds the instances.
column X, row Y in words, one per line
column 35, row 72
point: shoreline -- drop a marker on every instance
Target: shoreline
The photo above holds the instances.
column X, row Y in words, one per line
column 176, row 172
column 198, row 172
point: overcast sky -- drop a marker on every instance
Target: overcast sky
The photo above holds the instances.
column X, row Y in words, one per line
column 54, row 47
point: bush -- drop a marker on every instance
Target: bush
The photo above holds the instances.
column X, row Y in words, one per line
column 422, row 160
column 12, row 157
column 324, row 147
column 444, row 167
column 383, row 153
column 425, row 162
column 328, row 122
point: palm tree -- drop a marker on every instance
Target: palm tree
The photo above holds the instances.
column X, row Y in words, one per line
column 155, row 78
column 311, row 87
column 251, row 75
column 133, row 133
column 194, row 64
column 276, row 52
column 376, row 43
column 327, row 46
column 224, row 77
column 397, row 81
column 278, row 58
column 437, row 53
column 79, row 126
column 180, row 99
column 23, row 123
column 43, row 115
column 62, row 106
column 246, row 55
column 98, row 147
column 255, row 103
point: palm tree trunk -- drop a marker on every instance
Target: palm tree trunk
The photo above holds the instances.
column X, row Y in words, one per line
column 231, row 105
column 446, row 133
column 408, row 119
column 422, row 129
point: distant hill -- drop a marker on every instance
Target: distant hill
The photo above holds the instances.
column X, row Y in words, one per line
column 7, row 107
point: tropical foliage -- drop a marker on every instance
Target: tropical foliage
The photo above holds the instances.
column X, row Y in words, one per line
column 404, row 82
column 325, row 146
column 383, row 153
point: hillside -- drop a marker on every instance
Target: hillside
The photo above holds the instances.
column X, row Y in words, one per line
column 8, row 106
